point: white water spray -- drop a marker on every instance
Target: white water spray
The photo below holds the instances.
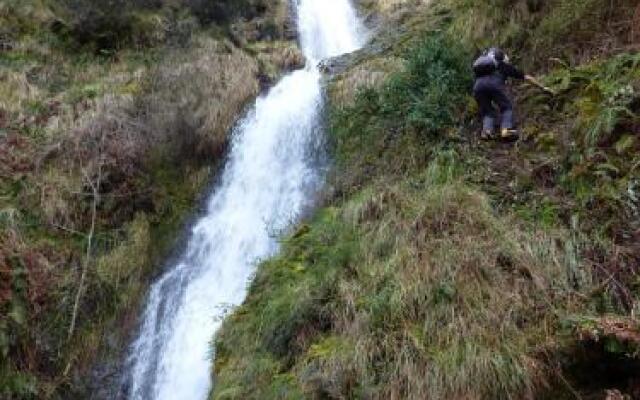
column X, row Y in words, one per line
column 269, row 179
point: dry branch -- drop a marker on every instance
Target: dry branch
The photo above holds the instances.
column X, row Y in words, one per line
column 95, row 188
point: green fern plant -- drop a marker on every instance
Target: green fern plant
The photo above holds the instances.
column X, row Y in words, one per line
column 604, row 95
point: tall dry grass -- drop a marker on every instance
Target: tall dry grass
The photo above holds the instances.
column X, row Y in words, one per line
column 392, row 9
column 412, row 289
column 16, row 92
column 127, row 110
column 457, row 306
column 195, row 98
column 370, row 74
column 178, row 112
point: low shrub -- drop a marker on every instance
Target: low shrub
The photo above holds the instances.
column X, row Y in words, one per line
column 114, row 24
column 428, row 95
column 388, row 128
column 605, row 98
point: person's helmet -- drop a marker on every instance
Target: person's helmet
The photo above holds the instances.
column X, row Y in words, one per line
column 498, row 54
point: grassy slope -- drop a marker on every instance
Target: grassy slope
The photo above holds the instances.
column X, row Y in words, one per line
column 442, row 267
column 151, row 117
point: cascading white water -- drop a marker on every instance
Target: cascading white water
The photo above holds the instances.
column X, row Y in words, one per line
column 269, row 179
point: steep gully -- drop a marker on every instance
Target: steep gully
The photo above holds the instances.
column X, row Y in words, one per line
column 274, row 169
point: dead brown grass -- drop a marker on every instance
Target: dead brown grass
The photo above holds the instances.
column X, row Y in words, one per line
column 150, row 124
column 453, row 299
column 391, row 10
column 440, row 298
column 195, row 98
column 15, row 91
column 370, row 74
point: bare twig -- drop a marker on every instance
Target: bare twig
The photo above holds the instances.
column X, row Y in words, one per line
column 69, row 230
column 95, row 186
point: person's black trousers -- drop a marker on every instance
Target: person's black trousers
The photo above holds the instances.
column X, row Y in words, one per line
column 490, row 90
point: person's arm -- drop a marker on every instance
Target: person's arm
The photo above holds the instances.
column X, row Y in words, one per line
column 510, row 71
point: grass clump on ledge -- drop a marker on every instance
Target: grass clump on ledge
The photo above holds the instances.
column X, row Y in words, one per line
column 409, row 290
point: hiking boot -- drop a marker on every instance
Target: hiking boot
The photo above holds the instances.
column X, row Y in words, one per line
column 509, row 134
column 486, row 135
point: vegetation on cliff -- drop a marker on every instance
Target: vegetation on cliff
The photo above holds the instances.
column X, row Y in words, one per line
column 443, row 267
column 113, row 118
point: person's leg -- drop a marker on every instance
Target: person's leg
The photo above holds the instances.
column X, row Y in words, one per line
column 487, row 111
column 506, row 109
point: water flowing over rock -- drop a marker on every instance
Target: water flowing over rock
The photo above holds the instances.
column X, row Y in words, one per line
column 271, row 176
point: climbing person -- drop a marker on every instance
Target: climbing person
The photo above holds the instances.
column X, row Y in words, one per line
column 492, row 69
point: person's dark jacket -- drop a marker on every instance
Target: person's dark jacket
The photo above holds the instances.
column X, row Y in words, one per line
column 497, row 80
column 507, row 71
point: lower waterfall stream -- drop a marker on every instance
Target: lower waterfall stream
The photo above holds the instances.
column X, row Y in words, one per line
column 270, row 177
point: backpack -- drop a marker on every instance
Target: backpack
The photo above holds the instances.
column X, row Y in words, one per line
column 485, row 65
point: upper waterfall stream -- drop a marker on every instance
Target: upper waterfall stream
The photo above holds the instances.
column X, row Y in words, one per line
column 270, row 177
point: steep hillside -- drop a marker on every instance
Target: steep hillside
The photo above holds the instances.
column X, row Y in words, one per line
column 113, row 118
column 444, row 267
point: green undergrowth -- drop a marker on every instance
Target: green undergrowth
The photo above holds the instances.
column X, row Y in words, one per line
column 442, row 267
column 140, row 114
column 409, row 289
column 388, row 130
column 40, row 288
column 587, row 135
column 572, row 30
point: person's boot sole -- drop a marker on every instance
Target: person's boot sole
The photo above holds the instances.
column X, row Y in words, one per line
column 487, row 136
column 510, row 138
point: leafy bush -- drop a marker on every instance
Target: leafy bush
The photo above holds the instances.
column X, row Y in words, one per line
column 427, row 96
column 388, row 127
column 114, row 24
column 607, row 97
column 105, row 24
column 221, row 11
column 429, row 93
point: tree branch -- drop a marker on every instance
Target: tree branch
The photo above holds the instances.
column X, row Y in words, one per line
column 95, row 186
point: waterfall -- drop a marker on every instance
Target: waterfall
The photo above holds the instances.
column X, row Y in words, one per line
column 271, row 176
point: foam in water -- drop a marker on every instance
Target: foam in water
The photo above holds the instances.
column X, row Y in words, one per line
column 269, row 179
